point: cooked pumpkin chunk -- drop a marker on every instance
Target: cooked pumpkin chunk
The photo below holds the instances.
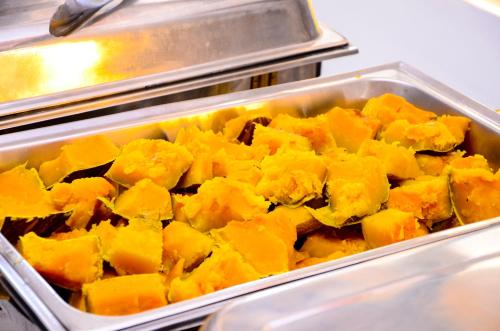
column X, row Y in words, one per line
column 125, row 295
column 82, row 154
column 399, row 162
column 470, row 162
column 181, row 241
column 137, row 248
column 356, row 186
column 239, row 162
column 234, row 129
column 224, row 268
column 265, row 242
column 23, row 195
column 178, row 203
column 300, row 217
column 106, row 233
column 221, row 200
column 265, row 251
column 350, row 128
column 145, row 200
column 25, row 205
column 67, row 263
column 427, row 197
column 246, row 171
column 276, row 139
column 389, row 107
column 292, row 177
column 278, row 224
column 320, row 245
column 309, row 261
column 436, row 165
column 80, row 197
column 439, row 165
column 458, row 125
column 429, row 136
column 202, row 145
column 156, row 159
column 315, row 129
column 390, row 226
column 326, row 246
column 77, row 233
column 441, row 136
column 475, row 194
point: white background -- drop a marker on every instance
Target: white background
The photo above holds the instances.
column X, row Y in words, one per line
column 449, row 40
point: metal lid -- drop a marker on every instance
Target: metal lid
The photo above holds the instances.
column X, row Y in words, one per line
column 143, row 43
column 453, row 284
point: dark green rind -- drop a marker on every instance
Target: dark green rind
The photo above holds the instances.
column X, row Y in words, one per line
column 15, row 227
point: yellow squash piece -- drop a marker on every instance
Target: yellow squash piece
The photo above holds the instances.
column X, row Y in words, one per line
column 299, row 216
column 458, row 125
column 80, row 197
column 23, row 195
column 441, row 135
column 427, row 197
column 181, row 241
column 159, row 160
column 25, row 205
column 266, row 252
column 234, row 128
column 356, row 186
column 106, row 233
column 203, row 145
column 475, row 194
column 220, row 201
column 390, row 226
column 245, row 171
column 309, row 261
column 266, row 242
column 389, row 107
column 440, row 165
column 292, row 177
column 145, row 200
column 67, row 263
column 82, row 154
column 224, row 268
column 73, row 234
column 470, row 162
column 315, row 129
column 277, row 138
column 125, row 295
column 399, row 162
column 178, row 203
column 436, row 165
column 320, row 245
column 350, row 128
column 136, row 248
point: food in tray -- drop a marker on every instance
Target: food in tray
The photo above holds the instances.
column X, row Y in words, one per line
column 155, row 222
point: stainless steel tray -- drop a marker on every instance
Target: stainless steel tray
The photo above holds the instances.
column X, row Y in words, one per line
column 307, row 97
column 145, row 45
column 456, row 289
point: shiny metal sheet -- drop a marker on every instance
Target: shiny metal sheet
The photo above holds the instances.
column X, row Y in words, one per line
column 451, row 284
column 140, row 44
column 306, row 97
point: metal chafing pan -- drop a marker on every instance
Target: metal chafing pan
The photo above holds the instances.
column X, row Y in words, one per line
column 306, row 97
column 154, row 52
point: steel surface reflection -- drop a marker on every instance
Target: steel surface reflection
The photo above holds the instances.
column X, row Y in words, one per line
column 50, row 68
